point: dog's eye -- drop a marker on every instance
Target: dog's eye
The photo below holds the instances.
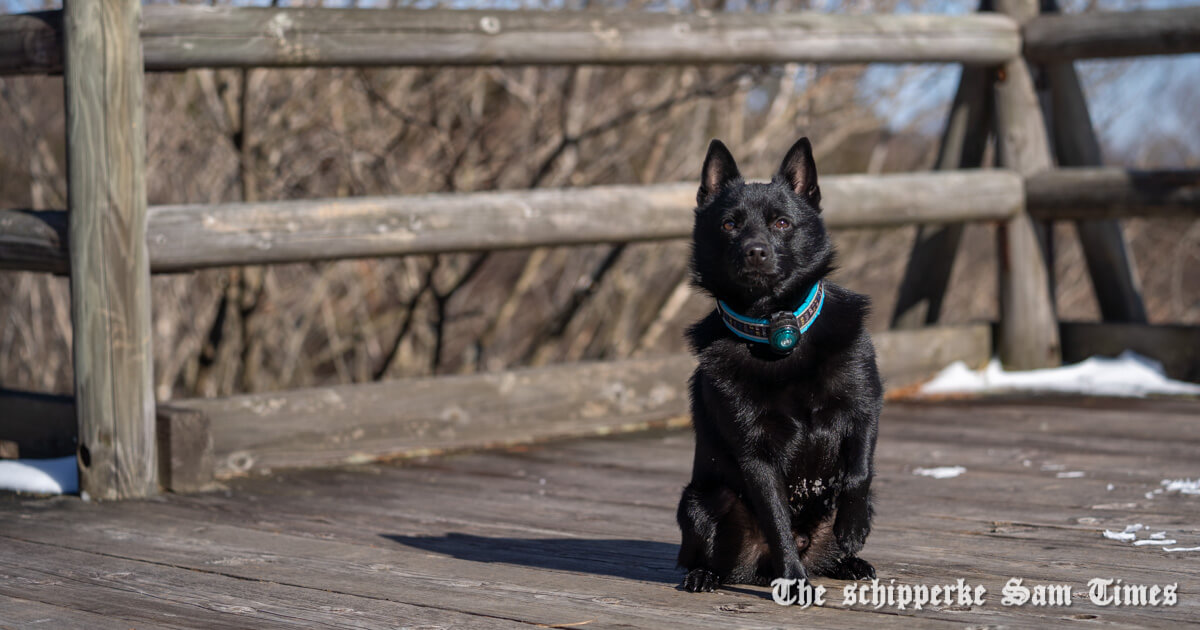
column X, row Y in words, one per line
column 728, row 226
column 782, row 224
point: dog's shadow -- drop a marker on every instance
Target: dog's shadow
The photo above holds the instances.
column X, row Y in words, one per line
column 644, row 560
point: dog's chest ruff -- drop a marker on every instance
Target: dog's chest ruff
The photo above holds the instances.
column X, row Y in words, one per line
column 783, row 330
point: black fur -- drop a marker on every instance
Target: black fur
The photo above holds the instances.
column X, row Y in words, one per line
column 784, row 444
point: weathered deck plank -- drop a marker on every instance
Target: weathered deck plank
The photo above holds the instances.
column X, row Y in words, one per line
column 583, row 531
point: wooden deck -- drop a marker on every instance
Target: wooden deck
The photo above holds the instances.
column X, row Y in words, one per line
column 581, row 534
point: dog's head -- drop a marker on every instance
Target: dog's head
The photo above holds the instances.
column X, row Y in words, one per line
column 759, row 245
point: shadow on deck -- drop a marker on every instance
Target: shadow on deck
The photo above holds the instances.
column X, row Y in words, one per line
column 581, row 533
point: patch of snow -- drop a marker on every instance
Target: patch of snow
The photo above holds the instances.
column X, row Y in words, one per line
column 41, row 476
column 1074, row 474
column 1182, row 486
column 1158, row 535
column 1142, row 543
column 1181, row 548
column 1129, row 375
column 1129, row 534
column 941, row 472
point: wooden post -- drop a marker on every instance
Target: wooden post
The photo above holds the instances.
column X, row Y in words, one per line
column 1118, row 291
column 110, row 272
column 1028, row 332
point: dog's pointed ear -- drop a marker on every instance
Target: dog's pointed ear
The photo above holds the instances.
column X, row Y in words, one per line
column 799, row 171
column 719, row 171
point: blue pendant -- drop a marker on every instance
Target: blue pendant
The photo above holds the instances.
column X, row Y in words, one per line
column 785, row 331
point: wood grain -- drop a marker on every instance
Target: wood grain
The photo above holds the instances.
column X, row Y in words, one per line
column 110, row 278
column 584, row 531
column 1106, row 34
column 185, row 449
column 1028, row 332
column 34, row 241
column 31, row 43
column 179, row 37
column 186, row 237
column 1112, row 193
column 194, row 236
column 1172, row 345
column 358, row 423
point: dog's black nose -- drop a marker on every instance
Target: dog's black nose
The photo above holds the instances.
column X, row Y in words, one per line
column 756, row 254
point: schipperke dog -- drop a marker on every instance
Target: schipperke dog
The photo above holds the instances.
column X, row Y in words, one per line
column 787, row 395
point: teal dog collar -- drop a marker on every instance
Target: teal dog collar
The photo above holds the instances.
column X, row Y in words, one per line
column 783, row 330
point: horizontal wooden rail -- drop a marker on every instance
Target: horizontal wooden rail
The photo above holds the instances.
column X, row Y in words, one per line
column 194, row 236
column 421, row 416
column 357, row 423
column 1112, row 193
column 178, row 37
column 409, row 417
column 1173, row 345
column 184, row 237
column 31, row 43
column 34, row 241
column 1049, row 38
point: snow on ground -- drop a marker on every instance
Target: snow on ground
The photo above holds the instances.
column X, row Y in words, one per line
column 941, row 472
column 1157, row 540
column 1129, row 375
column 1182, row 486
column 41, row 476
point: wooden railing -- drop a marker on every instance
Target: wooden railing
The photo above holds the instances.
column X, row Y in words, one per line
column 109, row 241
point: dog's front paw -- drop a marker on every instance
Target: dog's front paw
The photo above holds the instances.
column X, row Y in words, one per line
column 852, row 568
column 700, row 581
column 796, row 571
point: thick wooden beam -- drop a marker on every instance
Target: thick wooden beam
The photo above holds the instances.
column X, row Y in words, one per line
column 192, row 236
column 33, row 241
column 31, row 43
column 1028, row 332
column 43, row 425
column 1118, row 291
column 919, row 301
column 37, row 425
column 110, row 271
column 185, row 450
column 1072, row 194
column 1103, row 34
column 1172, row 345
column 181, row 37
column 177, row 37
column 413, row 417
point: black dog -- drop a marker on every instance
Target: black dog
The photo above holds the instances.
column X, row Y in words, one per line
column 786, row 399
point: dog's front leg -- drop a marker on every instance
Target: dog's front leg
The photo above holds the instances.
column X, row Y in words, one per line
column 854, row 511
column 853, row 522
column 765, row 487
